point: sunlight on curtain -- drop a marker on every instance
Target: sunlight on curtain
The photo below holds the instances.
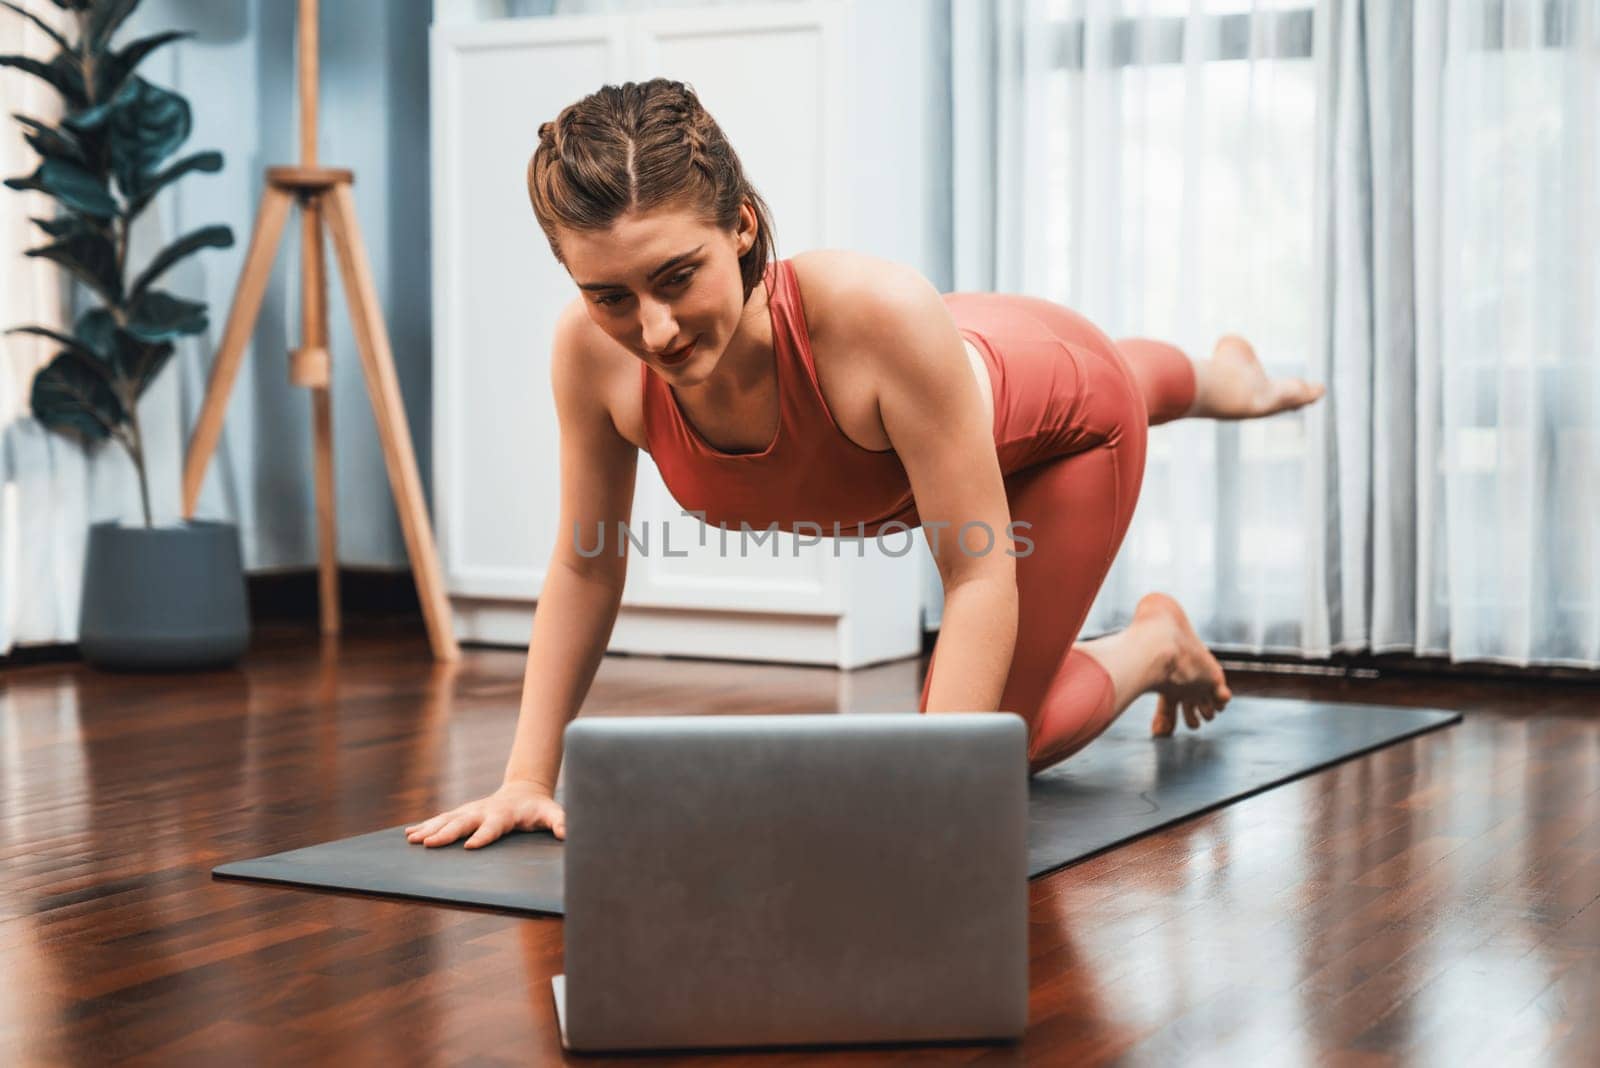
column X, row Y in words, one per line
column 31, row 291
column 1180, row 158
column 1401, row 202
column 1508, row 206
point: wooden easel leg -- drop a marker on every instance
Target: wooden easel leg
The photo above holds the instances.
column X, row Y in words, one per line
column 377, row 362
column 314, row 334
column 270, row 217
column 327, row 525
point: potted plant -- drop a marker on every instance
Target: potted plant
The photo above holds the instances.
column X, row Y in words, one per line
column 154, row 596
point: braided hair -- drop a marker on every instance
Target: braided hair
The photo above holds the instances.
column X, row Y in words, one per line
column 635, row 147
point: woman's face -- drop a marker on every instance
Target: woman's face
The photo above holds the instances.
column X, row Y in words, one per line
column 665, row 285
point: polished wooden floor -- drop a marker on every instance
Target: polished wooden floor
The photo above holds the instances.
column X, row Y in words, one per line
column 1432, row 903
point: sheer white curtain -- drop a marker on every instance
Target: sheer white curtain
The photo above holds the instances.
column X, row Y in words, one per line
column 1508, row 342
column 1152, row 165
column 31, row 291
column 1278, row 168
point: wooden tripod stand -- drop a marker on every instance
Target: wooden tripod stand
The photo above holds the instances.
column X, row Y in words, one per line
column 325, row 200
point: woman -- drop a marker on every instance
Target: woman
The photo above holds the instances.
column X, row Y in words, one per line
column 839, row 388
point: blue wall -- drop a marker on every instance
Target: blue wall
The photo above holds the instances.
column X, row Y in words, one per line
column 239, row 77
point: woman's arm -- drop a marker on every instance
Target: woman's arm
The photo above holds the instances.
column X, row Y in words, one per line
column 976, row 639
column 577, row 607
column 571, row 627
column 935, row 416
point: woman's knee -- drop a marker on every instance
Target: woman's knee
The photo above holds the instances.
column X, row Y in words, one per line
column 1078, row 705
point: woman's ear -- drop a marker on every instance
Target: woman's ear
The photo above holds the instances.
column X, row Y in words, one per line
column 748, row 225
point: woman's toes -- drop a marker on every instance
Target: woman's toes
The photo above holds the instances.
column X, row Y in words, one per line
column 1304, row 392
column 1164, row 721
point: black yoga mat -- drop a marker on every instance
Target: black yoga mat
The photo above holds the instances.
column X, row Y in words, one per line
column 1126, row 784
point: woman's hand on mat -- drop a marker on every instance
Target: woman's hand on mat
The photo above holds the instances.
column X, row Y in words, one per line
column 516, row 806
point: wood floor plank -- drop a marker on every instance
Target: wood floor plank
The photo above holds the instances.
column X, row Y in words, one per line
column 1437, row 901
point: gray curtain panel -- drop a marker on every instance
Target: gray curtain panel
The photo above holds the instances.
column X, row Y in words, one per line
column 1364, row 581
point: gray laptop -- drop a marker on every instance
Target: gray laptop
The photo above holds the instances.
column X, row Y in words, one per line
column 782, row 880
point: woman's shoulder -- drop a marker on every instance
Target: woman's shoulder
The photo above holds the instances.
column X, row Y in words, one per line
column 843, row 290
column 592, row 375
column 582, row 347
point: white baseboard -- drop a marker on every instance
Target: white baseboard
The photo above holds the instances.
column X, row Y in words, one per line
column 744, row 636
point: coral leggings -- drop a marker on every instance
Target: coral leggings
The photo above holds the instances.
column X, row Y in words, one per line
column 1072, row 409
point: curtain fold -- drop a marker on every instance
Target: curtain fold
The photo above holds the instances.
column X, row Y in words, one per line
column 1361, row 589
column 1508, row 207
column 1180, row 178
column 1400, row 200
column 998, row 170
column 32, row 463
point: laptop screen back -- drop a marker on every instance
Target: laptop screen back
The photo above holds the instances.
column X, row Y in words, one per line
column 769, row 880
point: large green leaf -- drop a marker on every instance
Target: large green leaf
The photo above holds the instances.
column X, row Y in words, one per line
column 116, row 67
column 207, row 237
column 50, row 142
column 61, row 72
column 87, row 119
column 104, row 19
column 144, row 130
column 128, row 358
column 77, row 187
column 69, row 397
column 63, row 225
column 73, row 185
column 91, row 258
column 160, row 316
column 97, row 330
column 77, row 345
column 153, row 356
column 151, row 185
column 50, row 31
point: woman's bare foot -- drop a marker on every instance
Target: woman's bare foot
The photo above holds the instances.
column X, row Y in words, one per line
column 1232, row 384
column 1194, row 683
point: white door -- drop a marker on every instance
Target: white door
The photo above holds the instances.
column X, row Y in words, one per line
column 497, row 290
column 770, row 76
column 774, row 77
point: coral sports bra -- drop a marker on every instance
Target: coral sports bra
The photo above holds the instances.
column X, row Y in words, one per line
column 810, row 472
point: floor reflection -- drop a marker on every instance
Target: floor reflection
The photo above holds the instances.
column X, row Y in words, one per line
column 1433, row 901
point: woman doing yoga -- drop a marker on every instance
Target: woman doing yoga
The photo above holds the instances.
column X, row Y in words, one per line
column 839, row 388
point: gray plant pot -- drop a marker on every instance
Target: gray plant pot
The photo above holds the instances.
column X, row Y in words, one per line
column 163, row 598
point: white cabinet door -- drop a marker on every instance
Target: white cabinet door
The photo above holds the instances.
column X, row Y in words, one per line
column 497, row 290
column 770, row 77
column 774, row 77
